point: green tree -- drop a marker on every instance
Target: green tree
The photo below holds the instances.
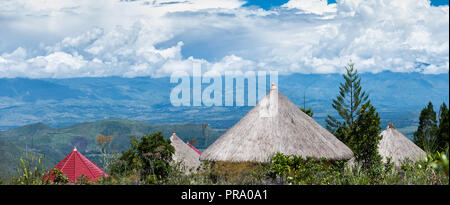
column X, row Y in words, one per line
column 59, row 176
column 425, row 136
column 308, row 111
column 443, row 129
column 348, row 105
column 156, row 154
column 149, row 158
column 366, row 137
column 359, row 123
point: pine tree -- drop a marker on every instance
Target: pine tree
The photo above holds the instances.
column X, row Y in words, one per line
column 347, row 104
column 443, row 130
column 366, row 136
column 425, row 136
column 359, row 125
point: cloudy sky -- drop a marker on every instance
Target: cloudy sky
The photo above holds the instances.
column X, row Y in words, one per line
column 80, row 38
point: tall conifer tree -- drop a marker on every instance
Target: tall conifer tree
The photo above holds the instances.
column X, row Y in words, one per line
column 359, row 125
column 366, row 137
column 347, row 104
column 425, row 136
column 443, row 130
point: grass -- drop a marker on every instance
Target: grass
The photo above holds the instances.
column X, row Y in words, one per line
column 283, row 169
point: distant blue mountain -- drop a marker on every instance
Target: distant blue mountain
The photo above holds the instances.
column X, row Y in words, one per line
column 398, row 97
column 30, row 90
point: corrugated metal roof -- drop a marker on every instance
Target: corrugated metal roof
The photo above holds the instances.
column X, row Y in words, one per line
column 195, row 149
column 75, row 164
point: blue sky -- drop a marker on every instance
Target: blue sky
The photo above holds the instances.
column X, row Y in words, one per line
column 439, row 2
column 267, row 4
column 79, row 38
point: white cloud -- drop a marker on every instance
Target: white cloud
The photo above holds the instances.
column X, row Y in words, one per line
column 311, row 6
column 157, row 38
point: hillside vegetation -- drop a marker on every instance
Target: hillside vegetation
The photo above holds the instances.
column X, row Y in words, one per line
column 56, row 143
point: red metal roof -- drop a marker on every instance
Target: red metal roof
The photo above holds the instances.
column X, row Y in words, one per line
column 75, row 164
column 192, row 146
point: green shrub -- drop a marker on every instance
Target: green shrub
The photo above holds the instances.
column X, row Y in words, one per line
column 149, row 159
column 60, row 177
column 288, row 169
column 31, row 170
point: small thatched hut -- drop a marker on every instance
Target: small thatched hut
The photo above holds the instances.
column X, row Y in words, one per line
column 395, row 145
column 274, row 125
column 184, row 154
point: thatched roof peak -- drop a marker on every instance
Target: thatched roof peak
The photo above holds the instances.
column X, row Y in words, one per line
column 390, row 125
column 274, row 125
column 273, row 87
column 398, row 147
column 184, row 154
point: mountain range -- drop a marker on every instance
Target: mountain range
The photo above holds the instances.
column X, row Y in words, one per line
column 398, row 97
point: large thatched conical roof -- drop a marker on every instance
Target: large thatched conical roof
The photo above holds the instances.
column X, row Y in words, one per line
column 274, row 125
column 395, row 145
column 184, row 154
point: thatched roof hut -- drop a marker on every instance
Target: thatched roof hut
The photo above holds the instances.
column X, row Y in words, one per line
column 184, row 154
column 274, row 125
column 395, row 145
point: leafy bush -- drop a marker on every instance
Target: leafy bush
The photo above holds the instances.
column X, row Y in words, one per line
column 439, row 162
column 82, row 180
column 148, row 159
column 60, row 177
column 288, row 169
